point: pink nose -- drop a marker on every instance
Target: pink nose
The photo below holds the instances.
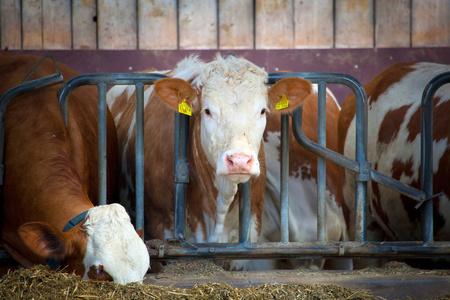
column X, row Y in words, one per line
column 239, row 163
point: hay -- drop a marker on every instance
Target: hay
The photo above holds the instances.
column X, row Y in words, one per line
column 40, row 282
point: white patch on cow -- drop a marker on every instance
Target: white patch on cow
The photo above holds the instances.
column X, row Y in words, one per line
column 113, row 243
column 444, row 206
column 329, row 94
column 128, row 176
column 439, row 149
column 114, row 93
column 227, row 190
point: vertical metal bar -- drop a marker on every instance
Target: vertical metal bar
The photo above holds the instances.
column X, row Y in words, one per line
column 102, row 144
column 284, row 185
column 361, row 156
column 427, row 166
column 244, row 212
column 321, row 166
column 140, row 156
column 181, row 173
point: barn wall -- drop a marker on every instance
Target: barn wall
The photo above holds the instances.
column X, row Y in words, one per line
column 363, row 64
column 223, row 24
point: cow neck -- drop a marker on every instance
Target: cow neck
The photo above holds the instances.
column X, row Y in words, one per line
column 216, row 187
column 56, row 263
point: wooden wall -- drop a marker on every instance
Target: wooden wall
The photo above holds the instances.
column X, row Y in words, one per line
column 223, row 24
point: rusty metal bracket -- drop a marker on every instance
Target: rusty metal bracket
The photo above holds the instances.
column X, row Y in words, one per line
column 364, row 174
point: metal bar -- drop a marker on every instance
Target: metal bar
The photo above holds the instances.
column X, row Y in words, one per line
column 181, row 176
column 139, row 156
column 321, row 165
column 284, row 174
column 361, row 157
column 102, row 144
column 427, row 153
column 307, row 250
column 244, row 212
column 96, row 79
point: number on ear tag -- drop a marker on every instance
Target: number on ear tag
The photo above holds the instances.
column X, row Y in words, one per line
column 184, row 108
column 283, row 103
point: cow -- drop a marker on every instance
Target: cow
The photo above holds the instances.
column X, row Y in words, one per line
column 50, row 182
column 230, row 102
column 394, row 134
column 302, row 185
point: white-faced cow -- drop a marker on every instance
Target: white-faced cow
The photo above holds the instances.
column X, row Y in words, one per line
column 394, row 98
column 302, row 184
column 50, row 184
column 229, row 101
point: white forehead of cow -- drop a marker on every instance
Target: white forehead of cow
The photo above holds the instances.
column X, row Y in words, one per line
column 222, row 74
column 114, row 244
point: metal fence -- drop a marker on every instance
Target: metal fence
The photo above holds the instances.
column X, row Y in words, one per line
column 284, row 249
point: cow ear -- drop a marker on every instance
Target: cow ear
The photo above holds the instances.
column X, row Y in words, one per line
column 294, row 90
column 174, row 90
column 44, row 239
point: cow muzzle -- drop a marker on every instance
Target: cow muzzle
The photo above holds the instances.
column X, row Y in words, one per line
column 239, row 164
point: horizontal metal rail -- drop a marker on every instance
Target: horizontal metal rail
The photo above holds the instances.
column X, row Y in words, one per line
column 282, row 250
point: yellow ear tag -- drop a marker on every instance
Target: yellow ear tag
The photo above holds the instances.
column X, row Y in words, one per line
column 184, row 108
column 283, row 103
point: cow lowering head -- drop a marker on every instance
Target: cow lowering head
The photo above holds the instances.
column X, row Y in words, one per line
column 104, row 244
column 231, row 99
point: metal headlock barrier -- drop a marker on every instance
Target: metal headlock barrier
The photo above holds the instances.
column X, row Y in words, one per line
column 283, row 249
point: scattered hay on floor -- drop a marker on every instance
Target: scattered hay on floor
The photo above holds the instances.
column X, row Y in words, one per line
column 195, row 268
column 40, row 282
column 398, row 268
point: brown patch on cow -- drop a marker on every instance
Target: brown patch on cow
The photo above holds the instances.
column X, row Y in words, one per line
column 391, row 123
column 386, row 79
column 440, row 124
column 376, row 201
column 374, row 89
column 399, row 168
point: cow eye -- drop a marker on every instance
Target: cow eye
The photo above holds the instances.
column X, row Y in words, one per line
column 263, row 111
column 207, row 112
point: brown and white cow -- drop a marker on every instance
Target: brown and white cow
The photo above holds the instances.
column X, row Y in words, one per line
column 394, row 125
column 302, row 184
column 230, row 101
column 51, row 179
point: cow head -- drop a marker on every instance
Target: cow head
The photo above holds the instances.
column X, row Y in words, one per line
column 105, row 246
column 231, row 98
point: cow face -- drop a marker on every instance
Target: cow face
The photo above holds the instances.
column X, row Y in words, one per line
column 105, row 246
column 232, row 101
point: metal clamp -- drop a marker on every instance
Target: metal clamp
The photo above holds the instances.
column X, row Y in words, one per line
column 364, row 174
column 182, row 173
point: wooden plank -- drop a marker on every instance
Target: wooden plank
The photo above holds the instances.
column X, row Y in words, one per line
column 430, row 23
column 236, row 24
column 157, row 24
column 32, row 24
column 313, row 23
column 354, row 26
column 392, row 23
column 10, row 31
column 84, row 24
column 197, row 24
column 57, row 33
column 117, row 25
column 274, row 24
